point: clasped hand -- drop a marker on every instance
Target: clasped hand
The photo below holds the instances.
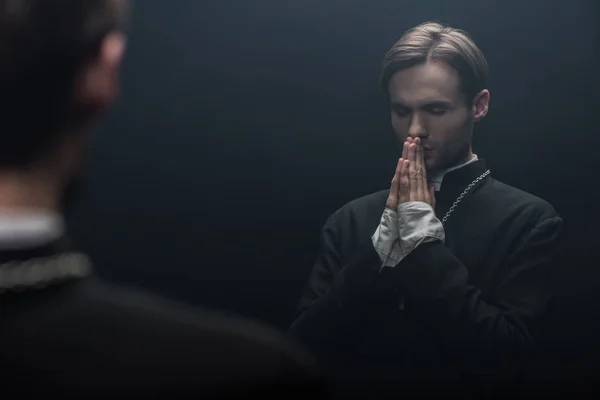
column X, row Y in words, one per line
column 410, row 180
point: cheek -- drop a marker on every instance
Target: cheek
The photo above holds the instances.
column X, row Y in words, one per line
column 400, row 127
column 451, row 129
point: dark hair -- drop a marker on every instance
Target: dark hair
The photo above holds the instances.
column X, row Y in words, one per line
column 434, row 41
column 44, row 45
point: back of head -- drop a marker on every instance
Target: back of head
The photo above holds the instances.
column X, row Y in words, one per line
column 432, row 41
column 44, row 45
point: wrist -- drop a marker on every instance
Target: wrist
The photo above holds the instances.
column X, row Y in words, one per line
column 413, row 205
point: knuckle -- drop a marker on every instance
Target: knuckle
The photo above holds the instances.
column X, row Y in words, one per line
column 417, row 173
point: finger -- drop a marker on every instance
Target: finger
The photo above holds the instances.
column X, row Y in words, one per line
column 417, row 143
column 426, row 186
column 413, row 174
column 405, row 150
column 404, row 192
column 420, row 154
column 412, row 154
column 422, row 189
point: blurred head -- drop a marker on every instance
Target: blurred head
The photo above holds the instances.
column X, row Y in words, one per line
column 436, row 77
column 59, row 64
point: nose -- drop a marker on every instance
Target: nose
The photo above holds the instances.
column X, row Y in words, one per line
column 416, row 128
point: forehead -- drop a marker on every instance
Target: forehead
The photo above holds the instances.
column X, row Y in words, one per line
column 432, row 81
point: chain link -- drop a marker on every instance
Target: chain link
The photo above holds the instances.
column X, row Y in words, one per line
column 462, row 195
column 19, row 276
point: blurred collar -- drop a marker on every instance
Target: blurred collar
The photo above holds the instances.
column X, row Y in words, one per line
column 23, row 228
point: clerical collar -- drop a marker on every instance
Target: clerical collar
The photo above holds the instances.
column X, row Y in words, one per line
column 34, row 252
column 18, row 276
column 22, row 229
column 438, row 178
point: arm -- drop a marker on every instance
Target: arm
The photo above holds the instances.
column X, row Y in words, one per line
column 334, row 308
column 490, row 334
column 337, row 296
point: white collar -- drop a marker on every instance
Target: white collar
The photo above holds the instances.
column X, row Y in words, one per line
column 28, row 228
column 438, row 178
column 21, row 229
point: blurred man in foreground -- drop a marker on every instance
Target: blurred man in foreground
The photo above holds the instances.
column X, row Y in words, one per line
column 63, row 331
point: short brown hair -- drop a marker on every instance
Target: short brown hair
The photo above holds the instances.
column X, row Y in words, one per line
column 44, row 45
column 434, row 41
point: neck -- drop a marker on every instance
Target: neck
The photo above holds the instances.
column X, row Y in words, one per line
column 458, row 161
column 468, row 157
column 29, row 190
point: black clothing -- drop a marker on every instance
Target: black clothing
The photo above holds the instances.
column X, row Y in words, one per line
column 84, row 337
column 472, row 305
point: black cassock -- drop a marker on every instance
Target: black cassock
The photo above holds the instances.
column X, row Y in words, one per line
column 473, row 305
column 75, row 336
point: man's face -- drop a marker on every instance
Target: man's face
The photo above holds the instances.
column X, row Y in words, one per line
column 427, row 102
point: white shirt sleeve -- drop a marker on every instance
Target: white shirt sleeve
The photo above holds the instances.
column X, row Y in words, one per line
column 386, row 239
column 401, row 232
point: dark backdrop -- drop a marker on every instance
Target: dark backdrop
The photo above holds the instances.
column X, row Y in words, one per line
column 243, row 124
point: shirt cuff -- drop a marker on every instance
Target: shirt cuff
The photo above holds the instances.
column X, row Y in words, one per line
column 417, row 224
column 386, row 239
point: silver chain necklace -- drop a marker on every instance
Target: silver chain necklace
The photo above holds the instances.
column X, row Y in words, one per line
column 38, row 273
column 462, row 195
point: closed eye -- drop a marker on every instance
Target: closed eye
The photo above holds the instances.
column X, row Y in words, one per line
column 437, row 108
column 401, row 111
column 437, row 111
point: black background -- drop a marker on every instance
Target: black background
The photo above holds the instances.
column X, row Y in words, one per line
column 243, row 124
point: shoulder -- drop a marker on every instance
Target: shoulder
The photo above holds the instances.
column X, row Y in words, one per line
column 518, row 201
column 371, row 203
column 137, row 329
column 353, row 219
column 139, row 305
column 108, row 338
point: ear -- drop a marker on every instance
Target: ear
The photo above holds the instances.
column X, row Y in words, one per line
column 99, row 84
column 481, row 105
